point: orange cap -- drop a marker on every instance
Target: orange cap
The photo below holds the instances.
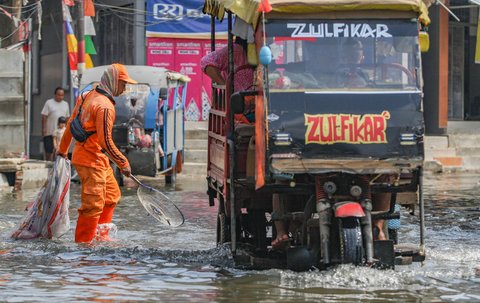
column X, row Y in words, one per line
column 122, row 73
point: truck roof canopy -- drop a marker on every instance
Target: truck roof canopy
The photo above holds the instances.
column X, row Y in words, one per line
column 247, row 9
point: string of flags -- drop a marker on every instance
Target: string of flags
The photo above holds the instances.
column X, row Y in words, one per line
column 72, row 42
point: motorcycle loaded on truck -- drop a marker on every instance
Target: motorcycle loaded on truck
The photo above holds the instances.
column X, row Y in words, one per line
column 332, row 146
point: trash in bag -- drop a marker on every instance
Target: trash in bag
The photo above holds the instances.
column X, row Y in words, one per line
column 47, row 216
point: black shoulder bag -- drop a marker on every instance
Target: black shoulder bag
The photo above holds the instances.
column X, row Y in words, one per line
column 76, row 127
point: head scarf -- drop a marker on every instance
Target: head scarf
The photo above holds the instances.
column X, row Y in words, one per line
column 109, row 81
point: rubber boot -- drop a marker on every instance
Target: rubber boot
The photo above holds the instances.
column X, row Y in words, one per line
column 107, row 214
column 105, row 218
column 86, row 229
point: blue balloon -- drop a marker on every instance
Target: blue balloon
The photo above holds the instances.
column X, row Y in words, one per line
column 265, row 55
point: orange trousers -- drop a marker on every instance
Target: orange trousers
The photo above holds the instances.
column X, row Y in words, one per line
column 100, row 195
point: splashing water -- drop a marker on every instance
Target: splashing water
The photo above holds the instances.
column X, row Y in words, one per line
column 151, row 262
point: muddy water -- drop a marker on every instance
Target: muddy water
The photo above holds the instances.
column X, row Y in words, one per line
column 150, row 262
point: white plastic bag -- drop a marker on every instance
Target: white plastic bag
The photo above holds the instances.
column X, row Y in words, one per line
column 48, row 215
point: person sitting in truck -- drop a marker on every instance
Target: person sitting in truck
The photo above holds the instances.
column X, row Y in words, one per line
column 350, row 74
column 215, row 66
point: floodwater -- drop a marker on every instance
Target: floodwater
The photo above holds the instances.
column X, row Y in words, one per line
column 150, row 262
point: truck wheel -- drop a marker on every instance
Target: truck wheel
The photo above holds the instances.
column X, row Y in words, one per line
column 223, row 230
column 351, row 241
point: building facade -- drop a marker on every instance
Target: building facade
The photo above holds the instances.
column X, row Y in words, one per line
column 452, row 96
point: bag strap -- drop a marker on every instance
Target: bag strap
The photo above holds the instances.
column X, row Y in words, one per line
column 103, row 92
column 83, row 96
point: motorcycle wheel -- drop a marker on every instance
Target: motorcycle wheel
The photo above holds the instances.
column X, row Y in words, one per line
column 351, row 242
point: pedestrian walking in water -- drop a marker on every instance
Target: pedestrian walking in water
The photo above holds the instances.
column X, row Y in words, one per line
column 52, row 110
column 100, row 192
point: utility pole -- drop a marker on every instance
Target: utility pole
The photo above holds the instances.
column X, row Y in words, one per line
column 81, row 42
column 17, row 13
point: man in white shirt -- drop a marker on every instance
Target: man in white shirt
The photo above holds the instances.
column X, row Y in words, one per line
column 52, row 110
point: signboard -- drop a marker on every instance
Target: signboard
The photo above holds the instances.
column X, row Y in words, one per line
column 178, row 36
column 185, row 19
column 184, row 55
column 327, row 125
column 343, row 29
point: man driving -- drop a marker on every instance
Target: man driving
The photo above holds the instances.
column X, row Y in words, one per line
column 350, row 73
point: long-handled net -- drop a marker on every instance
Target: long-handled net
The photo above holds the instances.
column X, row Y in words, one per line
column 158, row 205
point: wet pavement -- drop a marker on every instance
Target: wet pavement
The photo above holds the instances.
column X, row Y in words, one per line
column 151, row 262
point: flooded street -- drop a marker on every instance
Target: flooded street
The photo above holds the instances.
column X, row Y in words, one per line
column 151, row 262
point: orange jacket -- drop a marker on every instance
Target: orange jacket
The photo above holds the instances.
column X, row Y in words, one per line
column 98, row 114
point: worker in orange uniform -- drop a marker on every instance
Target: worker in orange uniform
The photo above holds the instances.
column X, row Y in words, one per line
column 100, row 191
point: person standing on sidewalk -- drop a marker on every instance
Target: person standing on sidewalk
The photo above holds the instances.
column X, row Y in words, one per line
column 52, row 110
column 100, row 191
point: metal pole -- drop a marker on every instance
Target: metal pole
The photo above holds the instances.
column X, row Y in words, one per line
column 231, row 143
column 65, row 75
column 212, row 33
column 28, row 90
column 421, row 211
column 139, row 33
column 81, row 41
column 231, row 64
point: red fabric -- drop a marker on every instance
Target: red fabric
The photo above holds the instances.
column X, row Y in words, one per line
column 69, row 2
column 72, row 60
column 89, row 8
column 260, row 129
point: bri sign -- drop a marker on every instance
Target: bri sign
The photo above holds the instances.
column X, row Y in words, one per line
column 346, row 128
column 173, row 18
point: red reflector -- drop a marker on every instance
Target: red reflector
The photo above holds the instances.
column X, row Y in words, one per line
column 349, row 209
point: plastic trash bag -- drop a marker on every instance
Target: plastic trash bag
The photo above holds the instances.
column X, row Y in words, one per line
column 47, row 216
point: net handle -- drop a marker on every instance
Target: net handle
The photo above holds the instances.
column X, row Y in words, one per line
column 136, row 180
column 131, row 176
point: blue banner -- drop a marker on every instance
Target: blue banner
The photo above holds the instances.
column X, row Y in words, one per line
column 174, row 18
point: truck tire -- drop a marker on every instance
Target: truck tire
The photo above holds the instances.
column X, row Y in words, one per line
column 223, row 229
column 351, row 241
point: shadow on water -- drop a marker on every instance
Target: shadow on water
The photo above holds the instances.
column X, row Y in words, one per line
column 152, row 262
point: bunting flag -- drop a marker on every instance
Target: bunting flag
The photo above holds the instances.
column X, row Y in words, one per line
column 89, row 8
column 89, row 26
column 72, row 51
column 72, row 46
column 89, row 47
column 79, row 60
column 88, row 61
